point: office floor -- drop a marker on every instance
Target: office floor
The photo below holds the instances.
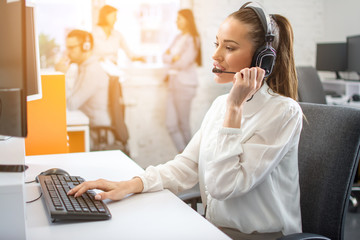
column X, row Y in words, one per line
column 150, row 143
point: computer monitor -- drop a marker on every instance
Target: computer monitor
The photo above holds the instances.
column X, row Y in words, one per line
column 13, row 121
column 12, row 69
column 19, row 67
column 33, row 79
column 353, row 52
column 331, row 57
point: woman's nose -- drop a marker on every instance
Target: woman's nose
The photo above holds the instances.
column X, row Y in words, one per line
column 217, row 56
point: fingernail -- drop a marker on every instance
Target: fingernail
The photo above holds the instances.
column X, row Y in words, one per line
column 97, row 197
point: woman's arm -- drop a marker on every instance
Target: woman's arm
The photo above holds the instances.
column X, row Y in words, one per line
column 176, row 175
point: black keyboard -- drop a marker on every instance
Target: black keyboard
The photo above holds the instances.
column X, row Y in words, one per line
column 60, row 206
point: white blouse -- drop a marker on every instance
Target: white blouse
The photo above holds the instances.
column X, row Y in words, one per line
column 184, row 70
column 107, row 47
column 248, row 177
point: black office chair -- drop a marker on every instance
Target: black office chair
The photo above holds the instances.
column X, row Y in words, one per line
column 328, row 159
column 310, row 88
column 118, row 127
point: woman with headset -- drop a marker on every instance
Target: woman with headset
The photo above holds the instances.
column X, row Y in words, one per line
column 244, row 155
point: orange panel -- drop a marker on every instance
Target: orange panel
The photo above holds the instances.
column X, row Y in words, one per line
column 47, row 132
column 76, row 141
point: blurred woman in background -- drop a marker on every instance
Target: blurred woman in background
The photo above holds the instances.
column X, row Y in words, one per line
column 182, row 58
column 107, row 40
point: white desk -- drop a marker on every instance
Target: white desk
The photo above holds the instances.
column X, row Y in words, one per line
column 159, row 215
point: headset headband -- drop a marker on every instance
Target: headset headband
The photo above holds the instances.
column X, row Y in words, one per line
column 264, row 19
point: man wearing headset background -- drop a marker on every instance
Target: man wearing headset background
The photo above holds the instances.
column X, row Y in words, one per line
column 90, row 90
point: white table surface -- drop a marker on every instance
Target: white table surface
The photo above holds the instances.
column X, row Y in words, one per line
column 159, row 215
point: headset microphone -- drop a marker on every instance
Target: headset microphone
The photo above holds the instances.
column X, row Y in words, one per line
column 216, row 70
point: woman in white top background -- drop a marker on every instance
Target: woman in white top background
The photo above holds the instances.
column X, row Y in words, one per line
column 107, row 40
column 182, row 58
column 245, row 154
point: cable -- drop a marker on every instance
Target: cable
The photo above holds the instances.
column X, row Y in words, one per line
column 30, row 181
column 35, row 199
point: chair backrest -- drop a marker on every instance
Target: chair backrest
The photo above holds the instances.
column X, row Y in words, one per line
column 117, row 110
column 328, row 157
column 310, row 88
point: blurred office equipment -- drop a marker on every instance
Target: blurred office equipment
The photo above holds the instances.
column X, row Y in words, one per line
column 353, row 53
column 33, row 79
column 310, row 88
column 328, row 158
column 331, row 57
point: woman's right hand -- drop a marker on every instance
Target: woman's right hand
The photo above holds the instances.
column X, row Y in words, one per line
column 245, row 84
column 111, row 190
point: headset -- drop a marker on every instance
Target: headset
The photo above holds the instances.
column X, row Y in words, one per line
column 265, row 56
column 86, row 46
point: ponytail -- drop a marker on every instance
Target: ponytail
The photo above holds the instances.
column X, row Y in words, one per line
column 283, row 79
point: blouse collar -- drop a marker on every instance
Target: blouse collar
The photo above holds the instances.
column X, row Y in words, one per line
column 259, row 99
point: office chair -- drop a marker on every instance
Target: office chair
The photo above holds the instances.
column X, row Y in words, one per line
column 191, row 196
column 118, row 127
column 310, row 88
column 328, row 159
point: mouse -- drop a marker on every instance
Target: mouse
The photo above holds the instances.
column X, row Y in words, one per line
column 355, row 97
column 53, row 171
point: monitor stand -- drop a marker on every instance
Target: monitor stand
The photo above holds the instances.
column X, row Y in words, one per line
column 337, row 75
column 12, row 200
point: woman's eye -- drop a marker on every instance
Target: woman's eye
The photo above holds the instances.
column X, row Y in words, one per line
column 216, row 44
column 229, row 48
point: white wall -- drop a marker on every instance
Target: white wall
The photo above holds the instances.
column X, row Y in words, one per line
column 342, row 18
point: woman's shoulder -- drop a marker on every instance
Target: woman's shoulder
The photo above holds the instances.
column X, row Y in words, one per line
column 287, row 104
column 97, row 30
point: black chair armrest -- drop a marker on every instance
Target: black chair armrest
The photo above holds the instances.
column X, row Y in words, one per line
column 304, row 236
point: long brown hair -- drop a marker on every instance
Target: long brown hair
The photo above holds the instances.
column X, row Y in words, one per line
column 283, row 79
column 188, row 15
column 103, row 13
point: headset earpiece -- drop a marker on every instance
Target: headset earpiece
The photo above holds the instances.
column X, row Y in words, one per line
column 87, row 44
column 265, row 56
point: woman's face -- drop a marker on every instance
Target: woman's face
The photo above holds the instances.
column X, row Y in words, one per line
column 234, row 50
column 181, row 22
column 111, row 18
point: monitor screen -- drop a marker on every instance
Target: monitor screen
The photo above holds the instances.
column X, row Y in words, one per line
column 12, row 69
column 353, row 43
column 331, row 57
column 33, row 80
